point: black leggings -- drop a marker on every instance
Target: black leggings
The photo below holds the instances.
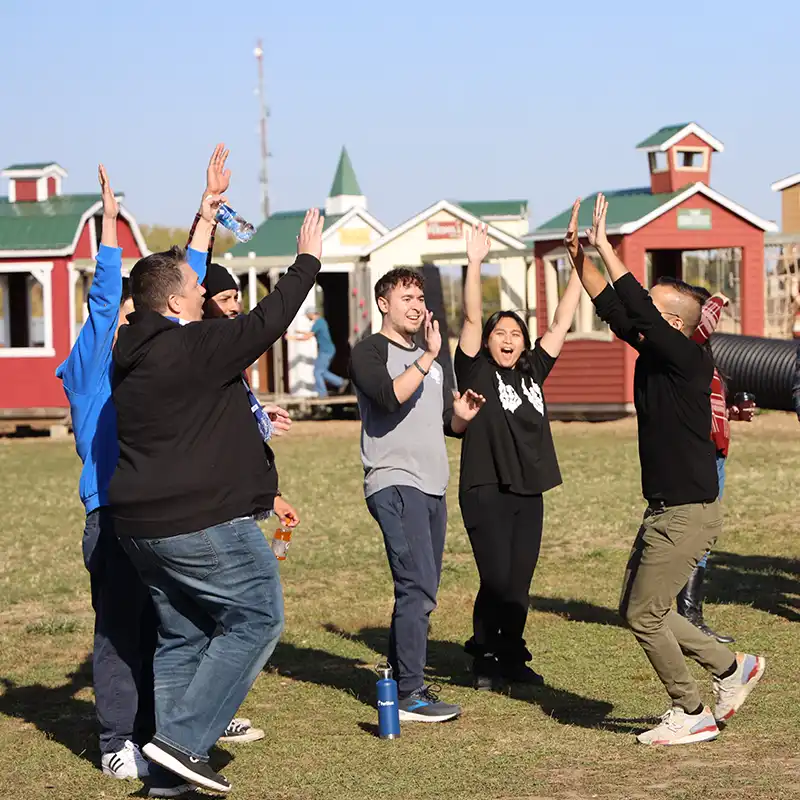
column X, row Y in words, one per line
column 505, row 531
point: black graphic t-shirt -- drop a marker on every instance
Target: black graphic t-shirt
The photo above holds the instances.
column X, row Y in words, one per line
column 509, row 442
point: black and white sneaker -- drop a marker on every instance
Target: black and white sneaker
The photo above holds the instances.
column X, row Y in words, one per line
column 240, row 729
column 424, row 706
column 192, row 769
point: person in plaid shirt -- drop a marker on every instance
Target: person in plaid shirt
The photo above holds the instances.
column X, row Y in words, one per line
column 690, row 599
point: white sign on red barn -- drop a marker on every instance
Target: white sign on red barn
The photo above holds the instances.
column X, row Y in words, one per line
column 444, row 229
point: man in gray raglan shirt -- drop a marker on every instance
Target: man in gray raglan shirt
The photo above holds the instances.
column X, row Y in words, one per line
column 405, row 413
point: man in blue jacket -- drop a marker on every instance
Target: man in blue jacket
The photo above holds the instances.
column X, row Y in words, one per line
column 125, row 621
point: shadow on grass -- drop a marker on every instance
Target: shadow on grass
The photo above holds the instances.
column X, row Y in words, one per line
column 70, row 721
column 576, row 610
column 768, row 583
column 446, row 661
column 56, row 711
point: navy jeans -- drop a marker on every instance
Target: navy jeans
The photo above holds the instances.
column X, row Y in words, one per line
column 322, row 374
column 220, row 610
column 703, row 562
column 413, row 525
column 124, row 638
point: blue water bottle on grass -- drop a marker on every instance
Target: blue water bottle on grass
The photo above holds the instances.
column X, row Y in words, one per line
column 388, row 709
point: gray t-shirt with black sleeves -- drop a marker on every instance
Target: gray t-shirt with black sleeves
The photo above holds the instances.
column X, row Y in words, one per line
column 401, row 445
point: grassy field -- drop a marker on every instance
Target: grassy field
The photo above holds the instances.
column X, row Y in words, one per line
column 573, row 739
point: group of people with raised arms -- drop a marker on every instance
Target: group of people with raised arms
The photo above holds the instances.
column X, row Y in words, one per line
column 508, row 462
column 178, row 469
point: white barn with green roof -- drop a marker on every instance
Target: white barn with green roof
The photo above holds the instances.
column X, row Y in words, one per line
column 357, row 250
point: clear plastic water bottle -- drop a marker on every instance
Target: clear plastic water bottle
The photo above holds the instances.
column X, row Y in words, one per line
column 281, row 541
column 235, row 223
column 388, row 709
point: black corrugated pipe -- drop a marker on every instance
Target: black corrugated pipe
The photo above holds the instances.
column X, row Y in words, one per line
column 764, row 367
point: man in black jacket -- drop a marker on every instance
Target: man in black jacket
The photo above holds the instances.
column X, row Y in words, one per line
column 185, row 502
column 671, row 388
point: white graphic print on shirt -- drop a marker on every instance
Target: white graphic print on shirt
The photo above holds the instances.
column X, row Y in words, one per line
column 534, row 395
column 511, row 401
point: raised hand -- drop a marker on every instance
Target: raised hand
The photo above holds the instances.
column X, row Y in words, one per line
column 725, row 300
column 571, row 239
column 218, row 179
column 466, row 406
column 478, row 243
column 433, row 338
column 209, row 207
column 110, row 205
column 597, row 233
column 309, row 241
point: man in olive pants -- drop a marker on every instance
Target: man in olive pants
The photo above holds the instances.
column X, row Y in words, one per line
column 670, row 543
column 671, row 388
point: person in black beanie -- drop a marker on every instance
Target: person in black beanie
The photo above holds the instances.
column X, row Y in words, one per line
column 222, row 300
column 222, row 294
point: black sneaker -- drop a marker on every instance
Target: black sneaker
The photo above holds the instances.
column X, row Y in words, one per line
column 521, row 673
column 163, row 783
column 485, row 674
column 192, row 769
column 424, row 706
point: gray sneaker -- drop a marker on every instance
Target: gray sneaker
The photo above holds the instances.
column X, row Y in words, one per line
column 678, row 727
column 730, row 693
column 424, row 706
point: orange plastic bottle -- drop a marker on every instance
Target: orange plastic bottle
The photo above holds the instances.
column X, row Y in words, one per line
column 280, row 543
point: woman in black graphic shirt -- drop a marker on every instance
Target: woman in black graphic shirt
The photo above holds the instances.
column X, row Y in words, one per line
column 507, row 462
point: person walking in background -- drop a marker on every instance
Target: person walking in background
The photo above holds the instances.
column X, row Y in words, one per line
column 325, row 353
column 679, row 481
column 690, row 598
column 507, row 462
column 406, row 412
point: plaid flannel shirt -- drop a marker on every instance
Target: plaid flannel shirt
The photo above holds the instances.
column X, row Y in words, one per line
column 720, row 423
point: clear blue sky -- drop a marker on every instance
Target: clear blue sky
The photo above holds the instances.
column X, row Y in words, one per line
column 464, row 100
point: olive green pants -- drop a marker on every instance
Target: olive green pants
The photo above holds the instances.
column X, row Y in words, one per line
column 668, row 546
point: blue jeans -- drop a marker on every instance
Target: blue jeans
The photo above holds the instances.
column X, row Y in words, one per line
column 220, row 609
column 413, row 525
column 323, row 374
column 703, row 562
column 124, row 638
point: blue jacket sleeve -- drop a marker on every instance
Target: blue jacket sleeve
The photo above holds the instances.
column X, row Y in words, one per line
column 197, row 261
column 88, row 360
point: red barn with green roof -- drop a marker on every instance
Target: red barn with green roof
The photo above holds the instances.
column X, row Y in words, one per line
column 677, row 226
column 48, row 243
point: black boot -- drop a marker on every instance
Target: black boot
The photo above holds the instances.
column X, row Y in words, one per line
column 485, row 673
column 690, row 605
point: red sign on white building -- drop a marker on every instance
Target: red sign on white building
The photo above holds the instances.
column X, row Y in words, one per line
column 444, row 229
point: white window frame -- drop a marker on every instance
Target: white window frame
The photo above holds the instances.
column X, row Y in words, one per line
column 43, row 272
column 653, row 158
column 585, row 313
column 679, row 167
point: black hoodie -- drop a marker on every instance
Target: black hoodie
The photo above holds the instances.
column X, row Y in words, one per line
column 191, row 455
